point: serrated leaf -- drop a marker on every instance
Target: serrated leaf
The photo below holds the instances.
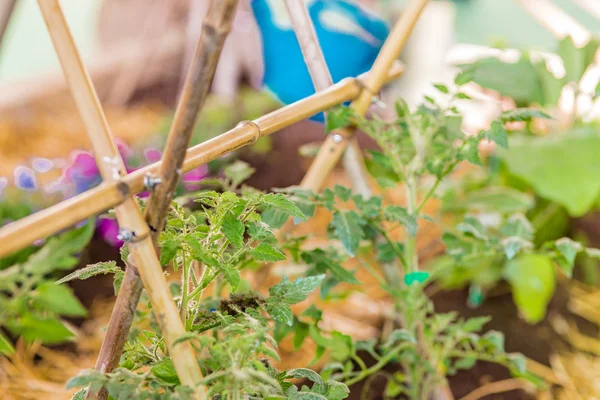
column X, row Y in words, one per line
column 238, row 172
column 307, row 374
column 117, row 281
column 279, row 202
column 465, row 363
column 164, row 371
column 348, row 228
column 342, row 192
column 523, row 114
column 58, row 299
column 200, row 254
column 281, row 313
column 533, row 282
column 398, row 336
column 101, row 268
column 338, row 118
column 336, row 390
column 475, row 324
column 471, row 226
column 568, row 249
column 233, row 229
column 168, row 250
column 297, row 291
column 519, row 226
column 232, row 275
column 513, row 246
column 497, row 134
column 401, row 215
column 265, row 252
column 260, row 231
column 85, row 378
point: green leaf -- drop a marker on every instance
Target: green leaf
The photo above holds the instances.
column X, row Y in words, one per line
column 265, row 252
column 6, row 347
column 58, row 299
column 513, row 246
column 401, row 215
column 306, row 374
column 533, row 282
column 164, row 371
column 563, row 169
column 168, row 250
column 441, row 88
column 516, row 80
column 471, row 226
column 342, row 346
column 300, row 334
column 233, row 229
column 238, row 172
column 336, row 390
column 101, row 268
column 279, row 202
column 523, row 114
column 348, row 228
column 117, row 281
column 232, row 275
column 497, row 134
column 342, row 192
column 339, row 117
column 463, row 96
column 80, row 394
column 465, row 76
column 297, row 291
column 573, row 59
column 47, row 331
column 475, row 324
column 280, row 313
column 200, row 254
column 497, row 199
column 260, row 231
column 568, row 249
column 465, row 363
column 518, row 225
column 85, row 378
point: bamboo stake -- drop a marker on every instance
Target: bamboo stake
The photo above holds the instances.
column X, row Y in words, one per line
column 6, row 12
column 335, row 144
column 216, row 27
column 321, row 77
column 591, row 6
column 555, row 20
column 128, row 213
column 22, row 233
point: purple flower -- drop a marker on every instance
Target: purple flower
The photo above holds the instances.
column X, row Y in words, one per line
column 41, row 164
column 152, row 155
column 83, row 172
column 25, row 178
column 190, row 179
column 108, row 229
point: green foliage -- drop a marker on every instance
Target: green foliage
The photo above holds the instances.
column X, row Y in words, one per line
column 31, row 305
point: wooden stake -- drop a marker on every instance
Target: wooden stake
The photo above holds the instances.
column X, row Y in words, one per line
column 128, row 213
column 216, row 27
column 335, row 144
column 42, row 224
column 321, row 77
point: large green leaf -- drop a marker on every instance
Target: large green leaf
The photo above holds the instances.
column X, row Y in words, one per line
column 533, row 282
column 517, row 80
column 563, row 169
column 58, row 299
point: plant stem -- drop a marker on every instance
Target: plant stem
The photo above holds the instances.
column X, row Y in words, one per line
column 184, row 290
column 378, row 366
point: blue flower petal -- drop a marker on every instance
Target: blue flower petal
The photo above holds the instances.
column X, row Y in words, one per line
column 25, row 178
